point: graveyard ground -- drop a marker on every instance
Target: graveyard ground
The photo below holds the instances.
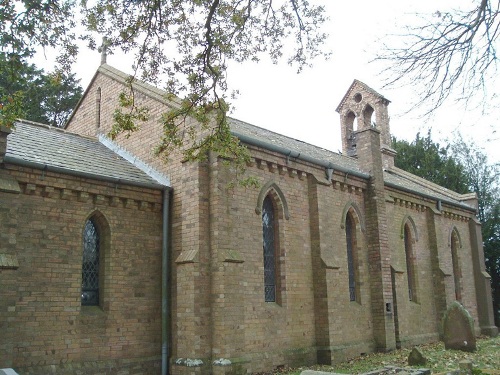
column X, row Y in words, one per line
column 486, row 360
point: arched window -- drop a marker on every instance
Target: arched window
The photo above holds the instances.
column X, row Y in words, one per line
column 270, row 249
column 457, row 273
column 90, row 264
column 350, row 236
column 410, row 264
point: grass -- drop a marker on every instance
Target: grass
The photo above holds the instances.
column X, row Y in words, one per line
column 485, row 360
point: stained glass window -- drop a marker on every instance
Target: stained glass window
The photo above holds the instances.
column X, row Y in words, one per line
column 90, row 265
column 349, row 234
column 268, row 231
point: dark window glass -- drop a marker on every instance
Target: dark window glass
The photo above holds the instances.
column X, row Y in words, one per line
column 409, row 262
column 456, row 266
column 268, row 231
column 349, row 234
column 90, row 265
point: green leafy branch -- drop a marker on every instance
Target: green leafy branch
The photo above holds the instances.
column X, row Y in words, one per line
column 189, row 44
column 11, row 109
column 128, row 115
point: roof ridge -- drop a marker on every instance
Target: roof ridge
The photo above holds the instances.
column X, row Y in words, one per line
column 40, row 125
column 272, row 131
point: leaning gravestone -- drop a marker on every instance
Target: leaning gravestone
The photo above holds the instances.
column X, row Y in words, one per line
column 458, row 329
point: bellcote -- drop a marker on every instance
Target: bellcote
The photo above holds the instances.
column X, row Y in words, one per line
column 362, row 108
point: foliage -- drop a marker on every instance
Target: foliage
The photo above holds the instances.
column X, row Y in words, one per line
column 35, row 95
column 483, row 179
column 206, row 36
column 453, row 52
column 25, row 26
column 429, row 160
column 183, row 45
column 58, row 95
column 439, row 360
column 28, row 25
column 10, row 108
column 128, row 120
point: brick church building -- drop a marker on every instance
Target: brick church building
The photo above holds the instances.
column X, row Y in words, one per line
column 115, row 262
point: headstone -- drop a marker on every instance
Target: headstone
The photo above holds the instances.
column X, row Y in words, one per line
column 458, row 329
column 416, row 358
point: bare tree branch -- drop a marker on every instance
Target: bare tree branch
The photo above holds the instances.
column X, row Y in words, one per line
column 452, row 55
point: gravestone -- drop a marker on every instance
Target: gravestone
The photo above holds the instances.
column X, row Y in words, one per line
column 416, row 358
column 458, row 329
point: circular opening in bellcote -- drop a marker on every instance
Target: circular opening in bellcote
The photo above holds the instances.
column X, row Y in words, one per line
column 358, row 97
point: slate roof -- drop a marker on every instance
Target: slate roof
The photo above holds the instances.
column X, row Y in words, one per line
column 53, row 149
column 296, row 146
column 410, row 183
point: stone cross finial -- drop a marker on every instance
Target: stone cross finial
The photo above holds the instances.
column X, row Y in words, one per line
column 103, row 49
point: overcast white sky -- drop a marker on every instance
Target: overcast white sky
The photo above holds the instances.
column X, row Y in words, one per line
column 303, row 105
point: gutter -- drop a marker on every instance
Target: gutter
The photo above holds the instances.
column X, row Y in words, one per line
column 428, row 196
column 297, row 155
column 50, row 168
column 329, row 165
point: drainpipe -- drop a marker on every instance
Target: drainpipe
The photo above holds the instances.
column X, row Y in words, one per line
column 164, row 282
